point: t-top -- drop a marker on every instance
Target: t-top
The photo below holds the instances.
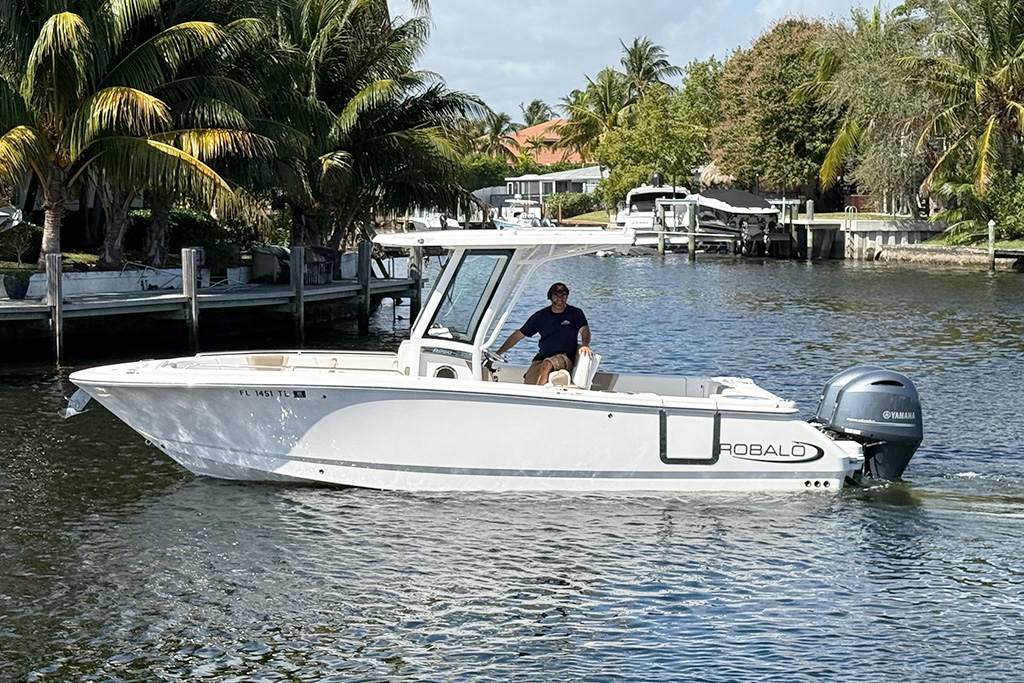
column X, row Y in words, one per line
column 558, row 331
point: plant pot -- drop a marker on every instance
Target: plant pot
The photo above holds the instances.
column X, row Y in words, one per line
column 13, row 288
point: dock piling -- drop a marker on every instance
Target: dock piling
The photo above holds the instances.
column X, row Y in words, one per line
column 364, row 262
column 416, row 275
column 297, row 258
column 189, row 285
column 55, row 299
column 661, row 229
column 991, row 245
column 692, row 230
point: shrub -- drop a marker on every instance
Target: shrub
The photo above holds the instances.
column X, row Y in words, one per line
column 21, row 243
column 571, row 203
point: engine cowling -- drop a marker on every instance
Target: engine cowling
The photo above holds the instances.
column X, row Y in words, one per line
column 878, row 408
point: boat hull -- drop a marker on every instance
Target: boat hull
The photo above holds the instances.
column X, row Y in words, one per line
column 415, row 435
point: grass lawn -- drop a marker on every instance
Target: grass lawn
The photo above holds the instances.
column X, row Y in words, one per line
column 600, row 216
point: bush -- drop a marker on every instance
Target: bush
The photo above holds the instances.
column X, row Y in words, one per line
column 21, row 243
column 571, row 203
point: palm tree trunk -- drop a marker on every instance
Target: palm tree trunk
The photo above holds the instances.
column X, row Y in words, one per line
column 53, row 206
column 156, row 232
column 112, row 251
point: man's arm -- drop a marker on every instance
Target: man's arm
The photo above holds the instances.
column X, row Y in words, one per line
column 512, row 340
column 585, row 341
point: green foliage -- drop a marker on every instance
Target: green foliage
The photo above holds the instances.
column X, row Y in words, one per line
column 570, row 203
column 974, row 71
column 646, row 66
column 968, row 211
column 536, row 112
column 592, row 113
column 660, row 137
column 222, row 241
column 854, row 64
column 21, row 243
column 767, row 137
column 484, row 171
column 699, row 98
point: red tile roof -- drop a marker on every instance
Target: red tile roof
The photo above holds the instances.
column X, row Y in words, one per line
column 551, row 151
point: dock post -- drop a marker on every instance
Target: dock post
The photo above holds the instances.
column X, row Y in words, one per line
column 691, row 214
column 365, row 254
column 189, row 282
column 991, row 245
column 55, row 299
column 297, row 259
column 661, row 229
column 416, row 275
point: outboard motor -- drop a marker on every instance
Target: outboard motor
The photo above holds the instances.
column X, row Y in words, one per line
column 878, row 408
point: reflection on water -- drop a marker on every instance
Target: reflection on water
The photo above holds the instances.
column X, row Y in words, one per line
column 117, row 565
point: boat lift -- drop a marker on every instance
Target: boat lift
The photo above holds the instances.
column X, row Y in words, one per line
column 660, row 206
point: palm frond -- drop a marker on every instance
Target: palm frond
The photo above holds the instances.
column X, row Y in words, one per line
column 117, row 110
column 21, row 150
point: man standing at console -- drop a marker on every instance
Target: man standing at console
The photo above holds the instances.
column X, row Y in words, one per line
column 563, row 333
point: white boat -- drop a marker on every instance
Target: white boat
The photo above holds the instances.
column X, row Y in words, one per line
column 443, row 413
column 726, row 219
column 521, row 213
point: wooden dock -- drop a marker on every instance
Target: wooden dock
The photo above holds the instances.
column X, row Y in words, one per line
column 188, row 302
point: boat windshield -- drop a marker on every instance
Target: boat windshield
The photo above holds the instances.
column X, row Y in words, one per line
column 468, row 294
column 645, row 202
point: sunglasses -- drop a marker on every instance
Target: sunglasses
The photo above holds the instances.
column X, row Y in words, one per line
column 560, row 292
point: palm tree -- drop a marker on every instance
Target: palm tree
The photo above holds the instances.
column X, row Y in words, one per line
column 536, row 112
column 381, row 135
column 646, row 64
column 498, row 139
column 591, row 113
column 873, row 145
column 77, row 98
column 978, row 79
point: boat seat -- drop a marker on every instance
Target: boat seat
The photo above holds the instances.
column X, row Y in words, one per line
column 586, row 368
column 559, row 378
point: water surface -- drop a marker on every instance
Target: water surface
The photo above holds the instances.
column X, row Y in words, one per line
column 117, row 565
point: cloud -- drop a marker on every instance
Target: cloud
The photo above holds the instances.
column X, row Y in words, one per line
column 509, row 53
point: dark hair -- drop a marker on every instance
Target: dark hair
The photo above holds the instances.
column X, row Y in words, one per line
column 556, row 286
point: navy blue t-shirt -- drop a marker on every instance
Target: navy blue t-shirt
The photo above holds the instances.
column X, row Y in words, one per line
column 558, row 331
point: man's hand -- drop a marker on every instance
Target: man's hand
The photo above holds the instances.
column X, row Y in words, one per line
column 586, row 351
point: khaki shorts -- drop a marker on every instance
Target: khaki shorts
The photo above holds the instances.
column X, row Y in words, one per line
column 558, row 362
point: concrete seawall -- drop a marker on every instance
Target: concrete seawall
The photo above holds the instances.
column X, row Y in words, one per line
column 967, row 257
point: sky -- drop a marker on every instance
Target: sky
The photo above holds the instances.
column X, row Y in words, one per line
column 513, row 51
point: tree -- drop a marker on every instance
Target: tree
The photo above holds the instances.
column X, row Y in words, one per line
column 861, row 76
column 498, row 139
column 536, row 112
column 593, row 112
column 77, row 96
column 380, row 131
column 977, row 77
column 767, row 137
column 699, row 97
column 646, row 64
column 660, row 138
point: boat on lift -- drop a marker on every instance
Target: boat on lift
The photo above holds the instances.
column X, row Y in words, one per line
column 443, row 413
column 725, row 219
